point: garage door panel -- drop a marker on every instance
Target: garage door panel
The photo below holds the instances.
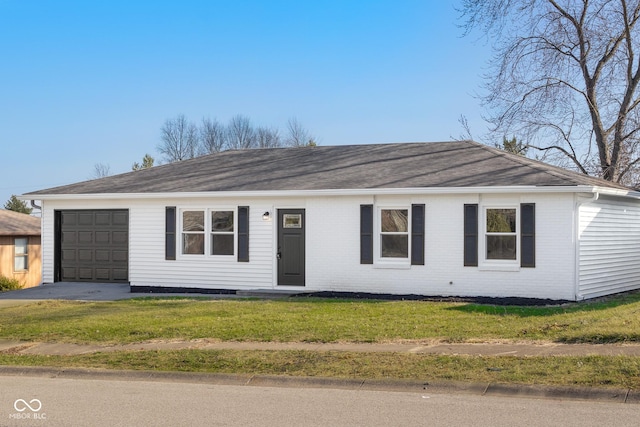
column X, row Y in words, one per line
column 102, row 237
column 85, row 237
column 103, row 218
column 85, row 218
column 120, row 237
column 69, row 255
column 120, row 274
column 103, row 274
column 94, row 245
column 69, row 218
column 69, row 237
column 69, row 273
column 85, row 255
column 120, row 256
column 120, row 218
column 85, row 274
column 103, row 255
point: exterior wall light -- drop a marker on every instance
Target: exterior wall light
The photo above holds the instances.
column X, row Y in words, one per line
column 266, row 216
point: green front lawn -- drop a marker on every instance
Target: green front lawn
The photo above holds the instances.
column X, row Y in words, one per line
column 615, row 319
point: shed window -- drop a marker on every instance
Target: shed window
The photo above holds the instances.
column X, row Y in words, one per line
column 21, row 254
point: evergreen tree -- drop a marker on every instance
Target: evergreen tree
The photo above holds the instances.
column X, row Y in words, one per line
column 13, row 204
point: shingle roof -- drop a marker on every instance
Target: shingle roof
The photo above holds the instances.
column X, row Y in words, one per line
column 400, row 165
column 18, row 224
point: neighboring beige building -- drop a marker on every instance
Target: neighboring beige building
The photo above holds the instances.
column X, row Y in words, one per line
column 20, row 250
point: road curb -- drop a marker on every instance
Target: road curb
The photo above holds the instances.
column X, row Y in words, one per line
column 625, row 396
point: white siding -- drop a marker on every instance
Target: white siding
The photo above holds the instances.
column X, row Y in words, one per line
column 47, row 243
column 333, row 250
column 609, row 247
column 333, row 247
column 148, row 266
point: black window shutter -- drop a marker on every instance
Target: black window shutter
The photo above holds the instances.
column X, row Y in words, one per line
column 528, row 235
column 471, row 235
column 243, row 233
column 170, row 233
column 366, row 234
column 417, row 234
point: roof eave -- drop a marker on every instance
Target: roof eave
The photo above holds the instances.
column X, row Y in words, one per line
column 340, row 192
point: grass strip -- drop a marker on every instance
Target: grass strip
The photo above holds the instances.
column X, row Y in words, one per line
column 588, row 371
column 610, row 320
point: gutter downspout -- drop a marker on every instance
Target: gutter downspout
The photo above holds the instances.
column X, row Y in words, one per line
column 578, row 203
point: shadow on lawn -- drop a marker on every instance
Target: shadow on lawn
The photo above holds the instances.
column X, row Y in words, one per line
column 529, row 308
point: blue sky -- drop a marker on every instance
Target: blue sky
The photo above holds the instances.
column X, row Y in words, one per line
column 86, row 82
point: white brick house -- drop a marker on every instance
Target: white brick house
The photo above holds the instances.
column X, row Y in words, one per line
column 438, row 219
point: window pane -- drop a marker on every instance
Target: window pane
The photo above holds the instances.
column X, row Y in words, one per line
column 222, row 244
column 395, row 246
column 222, row 221
column 292, row 221
column 193, row 221
column 20, row 245
column 501, row 247
column 394, row 220
column 20, row 264
column 193, row 244
column 501, row 220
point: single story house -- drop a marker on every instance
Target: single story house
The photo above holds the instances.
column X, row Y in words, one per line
column 441, row 219
column 20, row 252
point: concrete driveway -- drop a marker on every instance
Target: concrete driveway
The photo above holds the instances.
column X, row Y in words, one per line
column 80, row 291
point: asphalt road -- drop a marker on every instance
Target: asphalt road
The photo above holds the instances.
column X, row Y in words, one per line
column 39, row 401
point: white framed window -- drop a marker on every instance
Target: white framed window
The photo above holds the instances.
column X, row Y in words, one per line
column 394, row 233
column 392, row 237
column 218, row 224
column 193, row 226
column 501, row 229
column 20, row 254
column 222, row 232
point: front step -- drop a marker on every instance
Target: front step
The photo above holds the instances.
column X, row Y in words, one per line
column 267, row 293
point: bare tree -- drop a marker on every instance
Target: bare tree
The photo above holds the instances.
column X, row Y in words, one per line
column 565, row 78
column 101, row 170
column 268, row 138
column 466, row 129
column 240, row 133
column 213, row 137
column 179, row 139
column 297, row 135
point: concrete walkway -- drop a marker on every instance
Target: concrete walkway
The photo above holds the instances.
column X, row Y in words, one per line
column 475, row 349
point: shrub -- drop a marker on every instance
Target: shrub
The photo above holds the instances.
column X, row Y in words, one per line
column 8, row 284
